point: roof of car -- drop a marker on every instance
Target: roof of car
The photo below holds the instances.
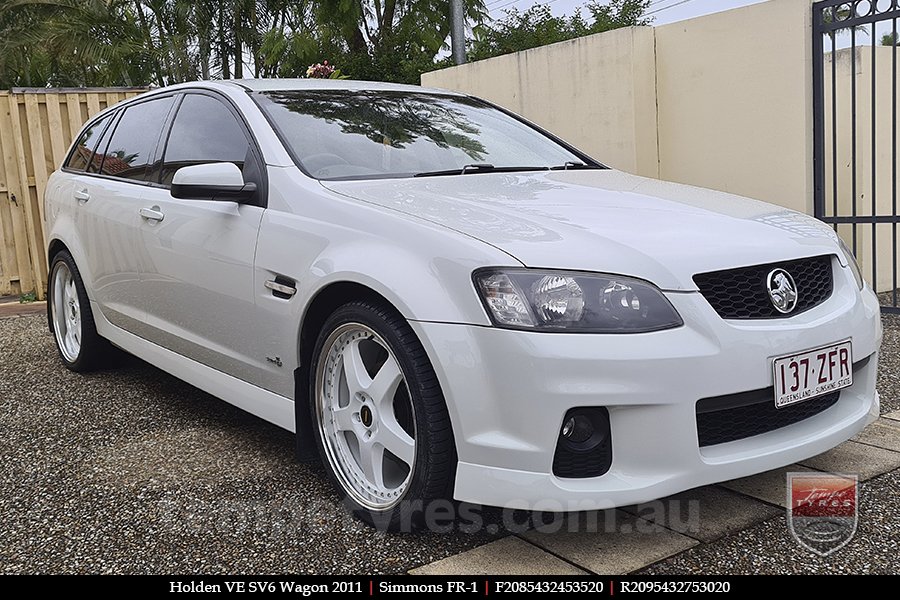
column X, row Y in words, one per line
column 272, row 85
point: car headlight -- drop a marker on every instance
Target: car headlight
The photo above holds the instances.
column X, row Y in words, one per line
column 577, row 302
column 854, row 266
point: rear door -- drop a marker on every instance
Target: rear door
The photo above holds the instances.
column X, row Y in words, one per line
column 107, row 195
column 197, row 282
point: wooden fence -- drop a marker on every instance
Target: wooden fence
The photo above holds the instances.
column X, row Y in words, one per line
column 36, row 128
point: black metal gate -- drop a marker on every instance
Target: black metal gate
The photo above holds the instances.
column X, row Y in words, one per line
column 855, row 46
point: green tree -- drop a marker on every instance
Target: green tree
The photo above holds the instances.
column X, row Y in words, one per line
column 70, row 42
column 124, row 42
column 391, row 40
column 618, row 13
column 890, row 39
column 136, row 42
column 538, row 26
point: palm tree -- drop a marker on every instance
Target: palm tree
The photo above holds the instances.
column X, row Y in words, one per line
column 370, row 25
column 96, row 40
column 127, row 42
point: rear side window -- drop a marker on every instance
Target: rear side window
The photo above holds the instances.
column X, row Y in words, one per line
column 131, row 147
column 100, row 150
column 204, row 131
column 87, row 143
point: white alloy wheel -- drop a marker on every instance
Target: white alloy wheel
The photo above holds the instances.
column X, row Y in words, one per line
column 365, row 416
column 66, row 312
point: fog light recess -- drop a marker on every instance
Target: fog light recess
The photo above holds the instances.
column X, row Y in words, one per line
column 584, row 446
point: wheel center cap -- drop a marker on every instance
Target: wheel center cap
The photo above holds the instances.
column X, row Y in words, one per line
column 365, row 415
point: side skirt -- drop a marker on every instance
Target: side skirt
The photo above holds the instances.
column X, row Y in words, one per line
column 256, row 401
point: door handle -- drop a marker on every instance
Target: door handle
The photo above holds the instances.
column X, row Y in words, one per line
column 82, row 195
column 152, row 214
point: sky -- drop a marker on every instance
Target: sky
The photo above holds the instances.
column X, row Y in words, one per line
column 665, row 11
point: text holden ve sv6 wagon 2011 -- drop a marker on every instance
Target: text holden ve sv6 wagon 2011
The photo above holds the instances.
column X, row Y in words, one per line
column 449, row 302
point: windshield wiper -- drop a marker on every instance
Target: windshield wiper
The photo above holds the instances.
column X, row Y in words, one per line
column 574, row 166
column 473, row 168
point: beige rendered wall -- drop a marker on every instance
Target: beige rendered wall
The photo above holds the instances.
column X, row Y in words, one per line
column 722, row 101
column 735, row 102
column 596, row 92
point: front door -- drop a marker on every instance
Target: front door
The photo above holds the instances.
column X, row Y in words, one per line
column 197, row 280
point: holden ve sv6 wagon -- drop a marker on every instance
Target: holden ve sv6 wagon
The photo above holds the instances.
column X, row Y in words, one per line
column 447, row 302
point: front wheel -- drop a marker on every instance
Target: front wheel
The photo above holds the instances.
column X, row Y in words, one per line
column 381, row 423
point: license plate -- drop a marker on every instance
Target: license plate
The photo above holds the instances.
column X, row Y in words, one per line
column 802, row 376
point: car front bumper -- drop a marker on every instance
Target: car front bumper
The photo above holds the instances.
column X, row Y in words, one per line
column 507, row 392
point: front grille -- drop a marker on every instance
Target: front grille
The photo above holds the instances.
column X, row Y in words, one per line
column 738, row 416
column 742, row 293
column 719, row 420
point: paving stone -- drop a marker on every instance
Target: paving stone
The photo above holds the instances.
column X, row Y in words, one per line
column 853, row 457
column 883, row 433
column 507, row 556
column 619, row 543
column 706, row 513
column 17, row 309
column 770, row 486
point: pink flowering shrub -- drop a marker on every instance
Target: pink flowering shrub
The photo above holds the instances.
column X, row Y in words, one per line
column 321, row 71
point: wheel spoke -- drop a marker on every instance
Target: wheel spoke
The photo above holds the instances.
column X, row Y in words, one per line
column 59, row 296
column 372, row 463
column 358, row 379
column 398, row 442
column 384, row 385
column 343, row 417
column 70, row 338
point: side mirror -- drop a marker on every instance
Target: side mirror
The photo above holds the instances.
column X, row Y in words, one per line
column 212, row 181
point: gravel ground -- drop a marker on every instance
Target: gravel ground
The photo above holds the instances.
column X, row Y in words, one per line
column 133, row 471
column 889, row 365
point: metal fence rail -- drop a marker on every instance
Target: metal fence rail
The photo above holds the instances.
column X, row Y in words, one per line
column 855, row 133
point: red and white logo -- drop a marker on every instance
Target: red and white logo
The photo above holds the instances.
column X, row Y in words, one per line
column 821, row 512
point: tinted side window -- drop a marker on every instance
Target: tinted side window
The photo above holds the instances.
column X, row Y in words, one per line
column 100, row 150
column 204, row 131
column 87, row 143
column 130, row 149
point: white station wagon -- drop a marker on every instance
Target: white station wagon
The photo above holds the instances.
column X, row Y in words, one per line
column 448, row 302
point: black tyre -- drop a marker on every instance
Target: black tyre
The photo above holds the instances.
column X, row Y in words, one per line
column 71, row 320
column 379, row 417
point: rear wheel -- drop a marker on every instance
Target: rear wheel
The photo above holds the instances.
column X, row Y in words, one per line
column 380, row 419
column 71, row 320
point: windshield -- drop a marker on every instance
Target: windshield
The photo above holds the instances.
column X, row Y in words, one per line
column 343, row 134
